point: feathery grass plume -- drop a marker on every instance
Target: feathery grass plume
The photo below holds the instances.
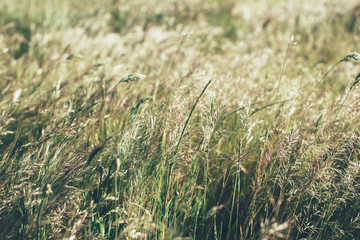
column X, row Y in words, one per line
column 135, row 109
column 187, row 120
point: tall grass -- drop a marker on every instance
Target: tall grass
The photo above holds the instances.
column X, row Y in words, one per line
column 111, row 129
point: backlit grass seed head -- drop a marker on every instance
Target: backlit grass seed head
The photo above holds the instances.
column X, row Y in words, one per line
column 47, row 190
column 17, row 95
column 292, row 43
column 351, row 56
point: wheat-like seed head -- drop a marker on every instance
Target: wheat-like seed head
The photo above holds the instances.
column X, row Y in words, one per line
column 352, row 56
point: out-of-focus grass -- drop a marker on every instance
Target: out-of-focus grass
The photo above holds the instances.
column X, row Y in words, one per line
column 108, row 129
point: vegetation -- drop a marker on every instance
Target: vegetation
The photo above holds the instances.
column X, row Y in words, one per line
column 185, row 119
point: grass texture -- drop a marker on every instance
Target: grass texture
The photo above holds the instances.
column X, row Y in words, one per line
column 185, row 119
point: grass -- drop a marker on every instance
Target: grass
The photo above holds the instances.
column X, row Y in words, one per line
column 179, row 120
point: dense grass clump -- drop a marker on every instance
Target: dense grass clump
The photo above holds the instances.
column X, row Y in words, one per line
column 179, row 119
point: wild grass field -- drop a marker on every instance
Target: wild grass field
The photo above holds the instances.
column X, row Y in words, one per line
column 191, row 119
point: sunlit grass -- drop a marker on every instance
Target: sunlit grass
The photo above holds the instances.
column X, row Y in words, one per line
column 192, row 119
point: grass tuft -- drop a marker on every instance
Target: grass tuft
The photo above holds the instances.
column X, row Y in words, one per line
column 111, row 129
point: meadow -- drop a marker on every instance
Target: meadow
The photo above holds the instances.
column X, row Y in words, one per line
column 188, row 119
